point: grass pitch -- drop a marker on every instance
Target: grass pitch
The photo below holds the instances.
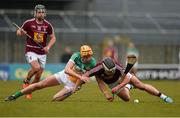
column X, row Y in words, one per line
column 90, row 102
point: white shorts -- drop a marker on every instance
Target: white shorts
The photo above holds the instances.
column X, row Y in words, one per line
column 62, row 78
column 31, row 56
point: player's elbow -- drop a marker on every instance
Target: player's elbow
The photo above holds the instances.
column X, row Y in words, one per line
column 66, row 70
column 58, row 98
column 126, row 99
column 54, row 39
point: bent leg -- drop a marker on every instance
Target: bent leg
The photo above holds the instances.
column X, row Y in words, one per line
column 35, row 67
column 124, row 94
column 48, row 82
column 150, row 89
column 142, row 86
column 38, row 76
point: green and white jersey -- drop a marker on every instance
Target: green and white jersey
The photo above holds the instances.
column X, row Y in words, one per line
column 79, row 65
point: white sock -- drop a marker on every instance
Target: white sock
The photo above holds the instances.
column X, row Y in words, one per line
column 129, row 86
column 163, row 96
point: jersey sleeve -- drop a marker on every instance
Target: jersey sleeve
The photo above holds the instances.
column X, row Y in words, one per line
column 93, row 63
column 25, row 26
column 74, row 56
column 94, row 71
column 50, row 29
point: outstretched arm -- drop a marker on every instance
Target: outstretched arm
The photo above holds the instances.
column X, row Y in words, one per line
column 104, row 90
column 125, row 80
column 84, row 78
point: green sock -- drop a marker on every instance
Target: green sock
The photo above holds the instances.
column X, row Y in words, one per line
column 18, row 94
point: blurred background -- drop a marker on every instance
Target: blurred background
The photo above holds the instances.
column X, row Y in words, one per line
column 152, row 26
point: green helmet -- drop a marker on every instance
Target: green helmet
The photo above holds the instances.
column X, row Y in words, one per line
column 39, row 7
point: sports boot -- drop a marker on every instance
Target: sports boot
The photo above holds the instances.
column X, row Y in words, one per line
column 10, row 98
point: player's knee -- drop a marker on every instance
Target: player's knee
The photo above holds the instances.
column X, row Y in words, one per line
column 126, row 99
column 37, row 69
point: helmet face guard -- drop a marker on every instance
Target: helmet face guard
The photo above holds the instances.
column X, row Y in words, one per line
column 86, row 50
column 109, row 65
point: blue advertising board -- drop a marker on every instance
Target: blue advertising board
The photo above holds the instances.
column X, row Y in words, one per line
column 4, row 72
column 19, row 71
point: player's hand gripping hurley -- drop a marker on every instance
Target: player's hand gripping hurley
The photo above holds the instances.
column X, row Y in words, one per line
column 131, row 60
column 27, row 35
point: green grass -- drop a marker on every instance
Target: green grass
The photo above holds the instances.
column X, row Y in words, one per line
column 89, row 102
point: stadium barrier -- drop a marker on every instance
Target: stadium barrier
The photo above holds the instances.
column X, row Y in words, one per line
column 145, row 71
column 159, row 71
column 4, row 72
column 19, row 71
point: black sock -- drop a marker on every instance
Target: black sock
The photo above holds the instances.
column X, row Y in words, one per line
column 159, row 94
